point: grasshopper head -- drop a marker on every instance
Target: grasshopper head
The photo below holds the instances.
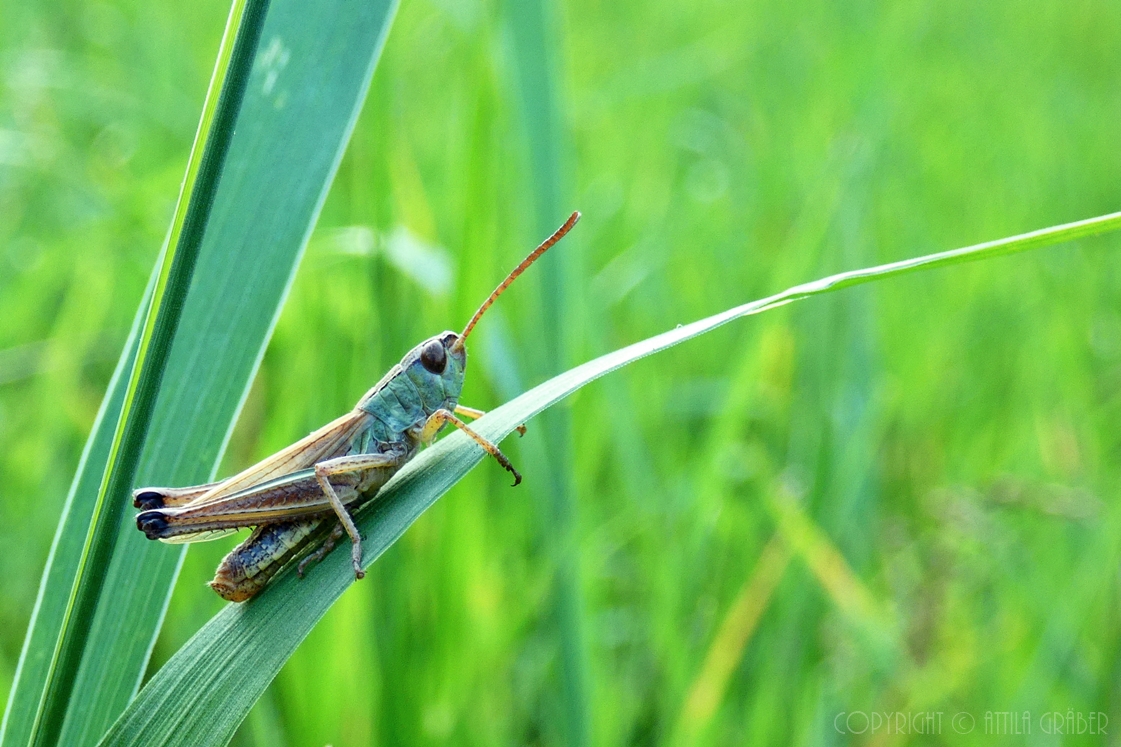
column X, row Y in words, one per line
column 439, row 364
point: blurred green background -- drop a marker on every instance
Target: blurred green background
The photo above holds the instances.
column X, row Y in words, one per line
column 899, row 499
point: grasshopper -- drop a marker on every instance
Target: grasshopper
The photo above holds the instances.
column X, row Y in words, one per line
column 292, row 497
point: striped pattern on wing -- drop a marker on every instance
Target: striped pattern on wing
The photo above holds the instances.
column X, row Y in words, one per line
column 330, row 441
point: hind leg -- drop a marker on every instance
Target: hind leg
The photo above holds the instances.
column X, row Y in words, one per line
column 147, row 499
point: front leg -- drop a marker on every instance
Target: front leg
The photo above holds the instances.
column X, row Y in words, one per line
column 471, row 412
column 353, row 464
column 437, row 420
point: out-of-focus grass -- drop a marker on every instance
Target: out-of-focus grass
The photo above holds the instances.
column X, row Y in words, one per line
column 951, row 436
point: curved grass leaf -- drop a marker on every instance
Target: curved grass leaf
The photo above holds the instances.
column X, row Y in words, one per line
column 204, row 691
column 305, row 91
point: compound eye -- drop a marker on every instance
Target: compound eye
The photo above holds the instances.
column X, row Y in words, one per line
column 433, row 357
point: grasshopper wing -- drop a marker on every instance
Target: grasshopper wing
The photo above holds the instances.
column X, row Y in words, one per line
column 332, row 440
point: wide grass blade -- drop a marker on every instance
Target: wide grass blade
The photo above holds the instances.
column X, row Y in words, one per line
column 204, row 691
column 305, row 90
column 204, row 170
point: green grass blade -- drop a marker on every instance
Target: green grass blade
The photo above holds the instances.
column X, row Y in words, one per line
column 534, row 36
column 202, row 694
column 305, row 95
column 208, row 156
column 306, row 89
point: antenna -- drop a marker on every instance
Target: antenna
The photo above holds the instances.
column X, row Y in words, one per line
column 545, row 245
